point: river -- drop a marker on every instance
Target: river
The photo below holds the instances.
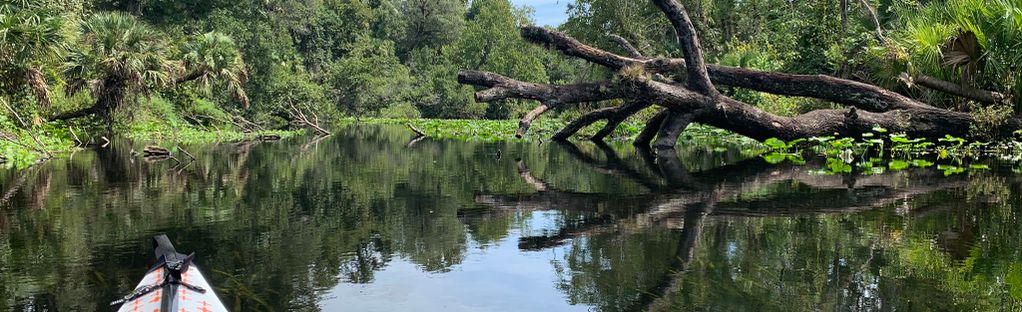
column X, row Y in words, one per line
column 368, row 220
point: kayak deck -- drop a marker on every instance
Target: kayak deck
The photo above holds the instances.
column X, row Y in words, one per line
column 173, row 285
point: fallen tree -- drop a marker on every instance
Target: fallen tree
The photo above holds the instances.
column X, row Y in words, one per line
column 688, row 94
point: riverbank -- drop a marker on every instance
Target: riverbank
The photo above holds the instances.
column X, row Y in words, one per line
column 541, row 129
column 20, row 149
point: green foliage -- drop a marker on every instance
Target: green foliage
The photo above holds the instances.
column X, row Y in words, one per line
column 640, row 22
column 988, row 119
column 437, row 95
column 924, row 42
column 370, row 78
column 32, row 38
column 764, row 58
column 211, row 58
column 879, row 150
column 491, row 41
column 119, row 54
column 431, row 24
column 400, row 111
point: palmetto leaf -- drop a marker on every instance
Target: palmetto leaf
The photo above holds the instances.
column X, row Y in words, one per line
column 213, row 57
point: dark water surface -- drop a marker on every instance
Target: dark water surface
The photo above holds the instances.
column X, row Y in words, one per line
column 362, row 221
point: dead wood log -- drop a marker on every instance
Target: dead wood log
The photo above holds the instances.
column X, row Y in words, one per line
column 299, row 116
column 650, row 131
column 411, row 143
column 526, row 121
column 672, row 127
column 183, row 151
column 268, row 137
column 622, row 114
column 719, row 189
column 575, row 125
column 871, row 106
column 989, row 97
column 614, row 116
column 155, row 151
column 418, row 133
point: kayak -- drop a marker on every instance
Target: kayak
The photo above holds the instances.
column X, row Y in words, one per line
column 173, row 284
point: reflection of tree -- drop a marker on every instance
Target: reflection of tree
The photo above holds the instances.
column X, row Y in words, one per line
column 275, row 227
column 275, row 223
column 730, row 195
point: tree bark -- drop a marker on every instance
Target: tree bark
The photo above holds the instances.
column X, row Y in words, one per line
column 37, row 82
column 526, row 122
column 650, row 131
column 989, row 97
column 620, row 116
column 672, row 127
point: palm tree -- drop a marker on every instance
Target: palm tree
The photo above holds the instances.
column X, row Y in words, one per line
column 121, row 58
column 214, row 56
column 30, row 37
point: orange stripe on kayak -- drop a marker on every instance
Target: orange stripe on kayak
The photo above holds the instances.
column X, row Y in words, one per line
column 205, row 307
column 184, row 290
column 134, row 304
column 156, row 296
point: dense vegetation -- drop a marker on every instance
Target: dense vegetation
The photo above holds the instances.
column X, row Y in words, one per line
column 185, row 66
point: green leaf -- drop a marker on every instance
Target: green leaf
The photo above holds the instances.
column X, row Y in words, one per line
column 898, row 165
column 775, row 143
column 774, row 158
column 921, row 163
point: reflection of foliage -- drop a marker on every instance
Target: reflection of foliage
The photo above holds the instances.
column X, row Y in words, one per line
column 277, row 226
column 611, row 271
column 273, row 228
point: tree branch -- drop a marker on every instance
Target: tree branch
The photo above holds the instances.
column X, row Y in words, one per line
column 876, row 20
column 672, row 127
column 652, row 127
column 526, row 122
column 698, row 79
column 622, row 113
column 837, row 90
column 967, row 92
column 626, row 45
column 500, row 87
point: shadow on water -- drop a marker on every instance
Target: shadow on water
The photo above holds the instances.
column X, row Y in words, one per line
column 374, row 219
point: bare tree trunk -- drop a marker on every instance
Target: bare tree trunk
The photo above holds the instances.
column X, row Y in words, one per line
column 989, row 97
column 650, row 131
column 673, row 126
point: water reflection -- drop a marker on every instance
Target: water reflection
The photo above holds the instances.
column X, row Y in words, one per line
column 370, row 220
